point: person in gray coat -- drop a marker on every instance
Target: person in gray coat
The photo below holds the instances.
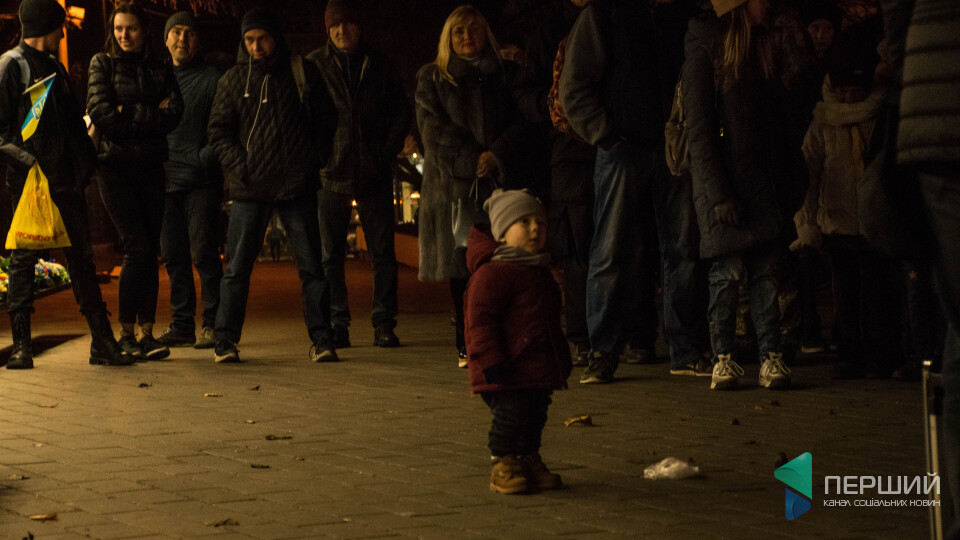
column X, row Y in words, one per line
column 373, row 119
column 191, row 213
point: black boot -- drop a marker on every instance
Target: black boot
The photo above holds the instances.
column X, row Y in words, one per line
column 104, row 349
column 22, row 356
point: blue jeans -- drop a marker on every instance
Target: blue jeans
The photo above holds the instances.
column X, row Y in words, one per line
column 248, row 224
column 684, row 283
column 191, row 225
column 376, row 218
column 758, row 265
column 941, row 195
column 622, row 175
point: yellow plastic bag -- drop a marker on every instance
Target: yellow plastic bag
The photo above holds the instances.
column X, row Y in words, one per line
column 37, row 223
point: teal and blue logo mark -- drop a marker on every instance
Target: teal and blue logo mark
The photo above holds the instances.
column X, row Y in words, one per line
column 798, row 476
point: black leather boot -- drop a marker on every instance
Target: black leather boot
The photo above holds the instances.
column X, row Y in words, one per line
column 22, row 356
column 104, row 349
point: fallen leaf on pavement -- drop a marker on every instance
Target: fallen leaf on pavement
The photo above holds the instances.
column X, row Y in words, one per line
column 18, row 477
column 145, row 385
column 258, row 466
column 757, row 408
column 774, row 403
column 582, row 420
column 49, row 406
column 211, row 394
column 296, row 458
column 44, row 517
column 224, row 523
column 734, row 422
column 278, row 437
column 255, row 388
column 38, row 445
column 251, row 421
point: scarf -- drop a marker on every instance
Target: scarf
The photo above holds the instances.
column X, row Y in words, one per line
column 831, row 112
column 512, row 254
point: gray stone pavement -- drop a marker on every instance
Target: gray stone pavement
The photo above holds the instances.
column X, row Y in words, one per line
column 390, row 443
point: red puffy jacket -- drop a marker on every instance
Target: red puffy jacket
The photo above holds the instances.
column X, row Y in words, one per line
column 512, row 318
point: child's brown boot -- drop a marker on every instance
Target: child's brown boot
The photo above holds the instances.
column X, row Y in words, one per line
column 508, row 476
column 540, row 476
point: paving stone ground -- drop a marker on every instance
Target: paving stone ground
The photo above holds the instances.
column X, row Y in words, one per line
column 390, row 443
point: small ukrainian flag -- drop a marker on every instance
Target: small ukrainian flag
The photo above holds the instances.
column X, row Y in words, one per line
column 38, row 98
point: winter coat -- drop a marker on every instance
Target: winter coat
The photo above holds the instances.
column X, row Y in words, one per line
column 737, row 165
column 610, row 85
column 271, row 143
column 835, row 148
column 192, row 163
column 568, row 155
column 457, row 123
column 371, row 124
column 930, row 100
column 512, row 316
column 137, row 83
column 60, row 142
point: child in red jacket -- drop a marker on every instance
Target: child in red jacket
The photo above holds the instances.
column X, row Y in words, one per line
column 517, row 353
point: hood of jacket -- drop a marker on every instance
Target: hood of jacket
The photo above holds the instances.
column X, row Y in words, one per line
column 703, row 31
column 833, row 113
column 480, row 247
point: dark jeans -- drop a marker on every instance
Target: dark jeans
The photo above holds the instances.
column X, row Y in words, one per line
column 83, row 272
column 191, row 225
column 867, row 296
column 758, row 266
column 518, row 420
column 457, row 289
column 622, row 175
column 133, row 195
column 941, row 195
column 925, row 325
column 684, row 283
column 376, row 218
column 248, row 224
column 808, row 263
column 571, row 227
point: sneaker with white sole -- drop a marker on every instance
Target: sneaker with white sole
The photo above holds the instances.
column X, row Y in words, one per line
column 205, row 340
column 725, row 373
column 226, row 352
column 462, row 359
column 700, row 367
column 773, row 374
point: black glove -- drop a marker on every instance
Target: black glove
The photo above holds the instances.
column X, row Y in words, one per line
column 728, row 213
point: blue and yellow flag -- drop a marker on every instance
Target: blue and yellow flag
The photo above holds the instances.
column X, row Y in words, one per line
column 38, row 98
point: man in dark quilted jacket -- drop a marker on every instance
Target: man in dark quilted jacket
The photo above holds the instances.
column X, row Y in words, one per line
column 271, row 126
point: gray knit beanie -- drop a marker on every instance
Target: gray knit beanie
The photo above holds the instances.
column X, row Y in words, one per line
column 40, row 17
column 180, row 18
column 508, row 207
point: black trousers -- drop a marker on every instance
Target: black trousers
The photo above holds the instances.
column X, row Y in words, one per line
column 518, row 420
column 133, row 195
column 83, row 272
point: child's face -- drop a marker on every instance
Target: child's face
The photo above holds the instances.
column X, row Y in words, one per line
column 528, row 233
column 851, row 94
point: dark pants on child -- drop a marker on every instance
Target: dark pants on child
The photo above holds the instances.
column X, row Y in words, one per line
column 518, row 420
column 458, row 287
column 376, row 218
column 867, row 303
column 191, row 224
column 133, row 194
column 83, row 272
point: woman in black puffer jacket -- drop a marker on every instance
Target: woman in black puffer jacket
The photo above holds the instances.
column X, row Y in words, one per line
column 134, row 101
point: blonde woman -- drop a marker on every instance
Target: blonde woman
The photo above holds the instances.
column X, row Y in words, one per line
column 730, row 97
column 470, row 130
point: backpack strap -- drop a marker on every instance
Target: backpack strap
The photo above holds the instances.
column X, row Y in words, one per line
column 14, row 55
column 299, row 77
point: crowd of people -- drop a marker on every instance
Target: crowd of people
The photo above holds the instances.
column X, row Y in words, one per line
column 805, row 137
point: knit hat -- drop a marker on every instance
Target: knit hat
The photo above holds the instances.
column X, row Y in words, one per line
column 180, row 18
column 259, row 19
column 40, row 17
column 508, row 207
column 828, row 10
column 722, row 7
column 341, row 11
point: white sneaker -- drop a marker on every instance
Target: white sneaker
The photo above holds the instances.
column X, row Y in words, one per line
column 462, row 360
column 725, row 373
column 773, row 374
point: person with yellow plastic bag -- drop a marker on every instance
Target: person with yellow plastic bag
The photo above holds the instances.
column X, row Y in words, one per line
column 49, row 158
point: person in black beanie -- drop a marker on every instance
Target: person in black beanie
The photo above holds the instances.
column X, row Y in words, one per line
column 191, row 216
column 374, row 118
column 270, row 126
column 63, row 150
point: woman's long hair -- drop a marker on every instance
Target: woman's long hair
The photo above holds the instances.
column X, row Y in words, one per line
column 110, row 46
column 737, row 47
column 445, row 48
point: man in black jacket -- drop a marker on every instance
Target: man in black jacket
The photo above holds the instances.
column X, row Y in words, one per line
column 191, row 213
column 270, row 126
column 374, row 118
column 62, row 149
